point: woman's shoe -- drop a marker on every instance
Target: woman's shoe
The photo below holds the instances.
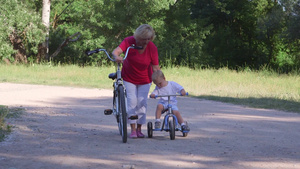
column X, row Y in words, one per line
column 133, row 134
column 139, row 134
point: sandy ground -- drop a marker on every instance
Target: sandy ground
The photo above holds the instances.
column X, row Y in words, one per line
column 64, row 127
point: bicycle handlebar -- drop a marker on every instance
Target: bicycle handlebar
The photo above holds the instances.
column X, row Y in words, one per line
column 104, row 50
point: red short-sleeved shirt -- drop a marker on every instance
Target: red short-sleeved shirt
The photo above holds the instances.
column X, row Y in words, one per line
column 137, row 68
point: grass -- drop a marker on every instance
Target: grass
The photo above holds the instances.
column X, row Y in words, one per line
column 261, row 89
column 89, row 77
column 5, row 113
column 4, row 128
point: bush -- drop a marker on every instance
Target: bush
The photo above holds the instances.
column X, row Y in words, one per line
column 4, row 128
column 21, row 31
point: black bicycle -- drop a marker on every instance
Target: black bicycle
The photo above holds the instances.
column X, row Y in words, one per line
column 119, row 108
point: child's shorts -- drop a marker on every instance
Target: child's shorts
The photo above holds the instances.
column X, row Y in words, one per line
column 174, row 107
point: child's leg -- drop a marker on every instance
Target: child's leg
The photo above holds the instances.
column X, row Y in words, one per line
column 179, row 118
column 184, row 126
column 159, row 109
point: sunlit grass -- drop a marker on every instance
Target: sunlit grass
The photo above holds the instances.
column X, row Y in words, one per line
column 264, row 89
column 69, row 75
column 244, row 84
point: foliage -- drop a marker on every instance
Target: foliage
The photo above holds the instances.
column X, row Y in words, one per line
column 6, row 113
column 22, row 27
column 197, row 34
column 4, row 128
column 183, row 37
column 102, row 23
column 292, row 35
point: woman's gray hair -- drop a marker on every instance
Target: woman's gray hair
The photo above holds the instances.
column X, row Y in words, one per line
column 144, row 31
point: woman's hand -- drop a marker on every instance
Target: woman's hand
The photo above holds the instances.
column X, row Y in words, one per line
column 118, row 59
column 152, row 96
column 155, row 68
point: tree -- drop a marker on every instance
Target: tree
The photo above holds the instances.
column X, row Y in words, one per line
column 206, row 33
column 21, row 32
column 182, row 36
column 292, row 34
column 231, row 41
column 46, row 23
column 102, row 24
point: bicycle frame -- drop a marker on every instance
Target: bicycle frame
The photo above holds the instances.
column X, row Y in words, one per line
column 119, row 94
column 118, row 82
column 168, row 115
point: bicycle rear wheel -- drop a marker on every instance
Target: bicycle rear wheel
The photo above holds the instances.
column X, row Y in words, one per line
column 122, row 114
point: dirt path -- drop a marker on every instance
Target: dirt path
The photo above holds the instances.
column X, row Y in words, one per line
column 64, row 127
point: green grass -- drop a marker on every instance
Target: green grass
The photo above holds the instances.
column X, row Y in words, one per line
column 261, row 89
column 6, row 113
column 4, row 128
column 71, row 75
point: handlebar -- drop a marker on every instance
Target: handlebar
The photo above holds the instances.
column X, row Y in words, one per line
column 170, row 95
column 104, row 50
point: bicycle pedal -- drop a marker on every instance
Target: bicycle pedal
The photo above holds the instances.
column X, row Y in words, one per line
column 108, row 111
column 133, row 117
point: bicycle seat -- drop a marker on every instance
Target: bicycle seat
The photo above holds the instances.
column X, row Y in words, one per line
column 112, row 76
column 165, row 110
column 134, row 117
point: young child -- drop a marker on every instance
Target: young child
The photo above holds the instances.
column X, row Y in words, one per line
column 164, row 87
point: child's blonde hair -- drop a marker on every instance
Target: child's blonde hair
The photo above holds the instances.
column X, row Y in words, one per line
column 157, row 74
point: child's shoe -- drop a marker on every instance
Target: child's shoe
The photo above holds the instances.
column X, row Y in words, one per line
column 139, row 134
column 133, row 134
column 185, row 128
column 157, row 124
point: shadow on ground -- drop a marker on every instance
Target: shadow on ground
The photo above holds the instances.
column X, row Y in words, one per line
column 74, row 133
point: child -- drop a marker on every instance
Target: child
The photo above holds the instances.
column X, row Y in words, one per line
column 164, row 87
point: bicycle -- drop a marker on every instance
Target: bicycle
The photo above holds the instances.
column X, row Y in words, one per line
column 170, row 122
column 119, row 109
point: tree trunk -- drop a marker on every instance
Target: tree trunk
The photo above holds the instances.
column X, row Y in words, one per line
column 46, row 22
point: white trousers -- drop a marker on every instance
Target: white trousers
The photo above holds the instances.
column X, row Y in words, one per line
column 137, row 96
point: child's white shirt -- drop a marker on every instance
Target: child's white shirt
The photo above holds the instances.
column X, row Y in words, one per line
column 170, row 89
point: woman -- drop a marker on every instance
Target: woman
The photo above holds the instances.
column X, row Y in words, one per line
column 136, row 72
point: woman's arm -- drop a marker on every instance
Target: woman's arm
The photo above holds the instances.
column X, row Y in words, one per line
column 116, row 53
column 155, row 68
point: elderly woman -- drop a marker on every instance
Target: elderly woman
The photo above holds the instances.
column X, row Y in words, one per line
column 136, row 72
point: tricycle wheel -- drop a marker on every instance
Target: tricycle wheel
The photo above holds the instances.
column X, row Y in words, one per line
column 150, row 129
column 172, row 128
column 184, row 134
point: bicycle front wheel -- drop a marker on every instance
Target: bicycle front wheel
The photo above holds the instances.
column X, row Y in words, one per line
column 122, row 114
